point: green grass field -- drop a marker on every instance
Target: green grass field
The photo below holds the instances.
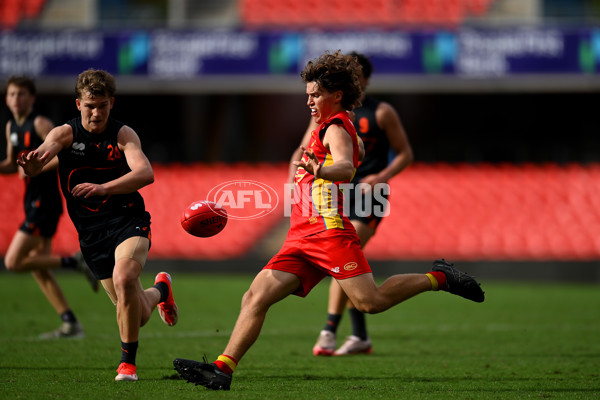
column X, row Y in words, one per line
column 527, row 341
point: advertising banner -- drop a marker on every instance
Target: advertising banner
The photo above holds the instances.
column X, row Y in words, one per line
column 176, row 54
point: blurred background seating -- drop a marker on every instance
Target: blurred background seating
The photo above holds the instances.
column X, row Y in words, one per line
column 459, row 211
column 290, row 14
column 506, row 166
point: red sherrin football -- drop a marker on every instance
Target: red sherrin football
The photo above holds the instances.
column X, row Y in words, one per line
column 204, row 218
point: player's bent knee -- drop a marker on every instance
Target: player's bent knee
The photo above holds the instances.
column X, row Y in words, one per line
column 254, row 302
column 365, row 308
column 368, row 307
column 248, row 299
column 124, row 282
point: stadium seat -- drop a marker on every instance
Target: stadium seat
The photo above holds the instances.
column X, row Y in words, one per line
column 477, row 7
column 358, row 13
column 10, row 13
column 498, row 212
column 32, row 8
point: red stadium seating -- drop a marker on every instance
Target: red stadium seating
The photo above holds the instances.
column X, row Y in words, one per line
column 489, row 212
column 32, row 8
column 12, row 11
column 358, row 13
column 462, row 212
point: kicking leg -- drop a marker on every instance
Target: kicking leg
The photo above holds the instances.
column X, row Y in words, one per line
column 269, row 287
column 367, row 297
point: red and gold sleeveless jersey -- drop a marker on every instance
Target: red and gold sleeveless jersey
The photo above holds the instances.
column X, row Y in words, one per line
column 318, row 203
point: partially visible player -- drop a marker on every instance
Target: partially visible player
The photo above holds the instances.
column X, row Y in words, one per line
column 380, row 128
column 321, row 240
column 101, row 168
column 31, row 246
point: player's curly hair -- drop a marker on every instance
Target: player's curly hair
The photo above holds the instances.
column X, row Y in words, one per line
column 333, row 72
column 22, row 81
column 96, row 82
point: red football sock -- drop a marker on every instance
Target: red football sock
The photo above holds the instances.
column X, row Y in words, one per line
column 438, row 280
column 226, row 363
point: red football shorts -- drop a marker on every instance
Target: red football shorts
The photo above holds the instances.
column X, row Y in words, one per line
column 334, row 252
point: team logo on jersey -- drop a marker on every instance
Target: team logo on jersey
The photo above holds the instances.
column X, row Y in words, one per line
column 351, row 266
column 78, row 148
column 14, row 139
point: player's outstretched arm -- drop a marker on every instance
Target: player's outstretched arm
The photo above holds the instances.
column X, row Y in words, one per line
column 57, row 139
column 43, row 126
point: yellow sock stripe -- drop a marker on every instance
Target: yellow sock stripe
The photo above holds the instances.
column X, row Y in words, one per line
column 434, row 282
column 227, row 360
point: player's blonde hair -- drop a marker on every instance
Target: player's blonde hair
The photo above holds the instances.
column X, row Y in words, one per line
column 96, row 83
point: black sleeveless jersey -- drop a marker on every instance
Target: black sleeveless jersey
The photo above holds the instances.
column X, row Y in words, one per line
column 376, row 143
column 42, row 188
column 96, row 158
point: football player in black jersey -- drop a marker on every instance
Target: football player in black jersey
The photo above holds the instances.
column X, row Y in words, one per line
column 380, row 128
column 101, row 168
column 31, row 246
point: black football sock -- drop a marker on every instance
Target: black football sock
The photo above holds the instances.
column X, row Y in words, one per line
column 359, row 325
column 163, row 288
column 333, row 320
column 128, row 352
column 68, row 316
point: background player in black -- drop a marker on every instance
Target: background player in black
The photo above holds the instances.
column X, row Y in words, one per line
column 101, row 168
column 380, row 128
column 31, row 246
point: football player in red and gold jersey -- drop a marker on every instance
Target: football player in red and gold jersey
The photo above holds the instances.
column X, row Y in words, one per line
column 321, row 241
